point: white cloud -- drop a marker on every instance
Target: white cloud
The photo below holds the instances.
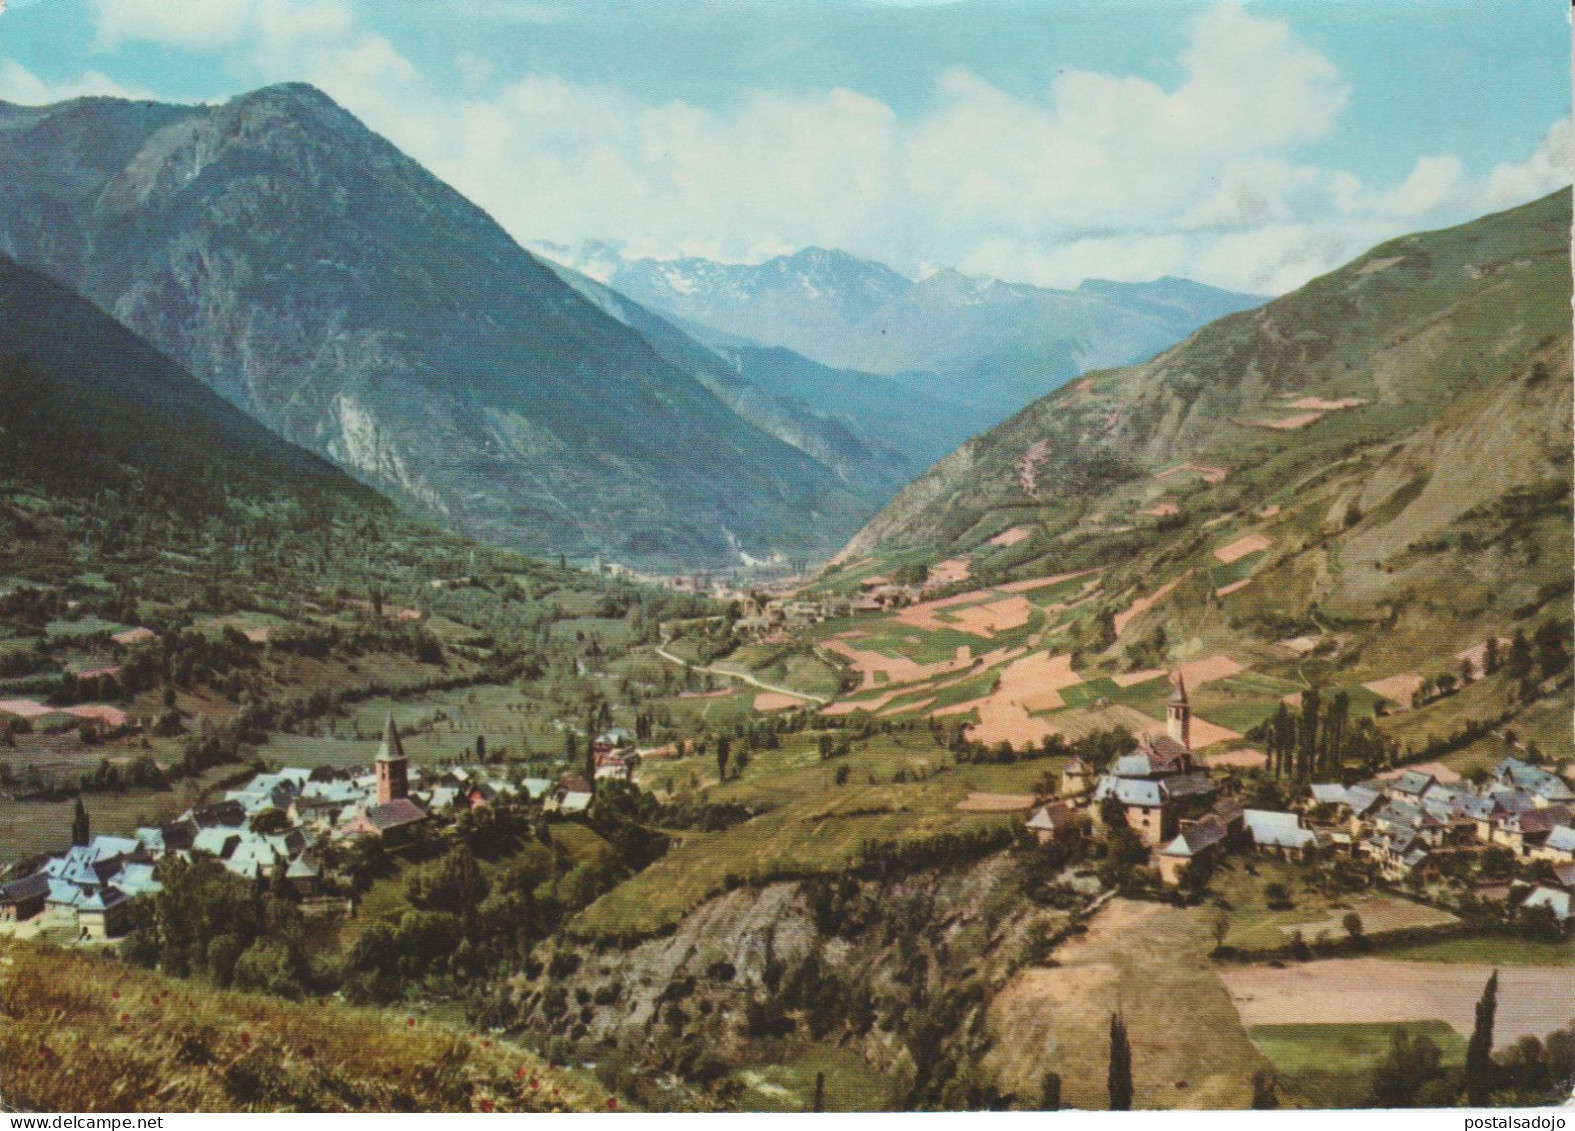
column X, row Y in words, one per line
column 1545, row 170
column 18, row 84
column 1101, row 174
column 197, row 25
column 1429, row 184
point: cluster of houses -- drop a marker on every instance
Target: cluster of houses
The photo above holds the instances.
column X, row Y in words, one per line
column 1405, row 824
column 1413, row 822
column 88, row 887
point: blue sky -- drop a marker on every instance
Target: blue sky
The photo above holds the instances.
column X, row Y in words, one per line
column 1248, row 144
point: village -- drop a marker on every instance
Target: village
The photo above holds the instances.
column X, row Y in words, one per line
column 1413, row 825
column 281, row 828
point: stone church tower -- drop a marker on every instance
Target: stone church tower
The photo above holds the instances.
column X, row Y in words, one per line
column 393, row 777
column 1178, row 715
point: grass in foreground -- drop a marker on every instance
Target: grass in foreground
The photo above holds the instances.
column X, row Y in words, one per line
column 84, row 1033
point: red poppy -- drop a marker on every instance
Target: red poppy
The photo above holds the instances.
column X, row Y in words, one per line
column 246, row 1040
column 125, row 1019
column 115, row 994
column 519, row 1073
column 309, row 1052
column 486, row 1105
column 486, row 1044
column 410, row 1022
column 612, row 1103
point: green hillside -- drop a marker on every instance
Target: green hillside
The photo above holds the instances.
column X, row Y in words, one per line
column 1394, row 438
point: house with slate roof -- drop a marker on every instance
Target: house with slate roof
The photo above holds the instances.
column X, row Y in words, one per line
column 1559, row 847
column 103, row 915
column 1411, row 785
column 391, row 820
column 21, row 900
column 1056, row 821
column 1283, row 834
column 1077, row 778
column 1199, row 841
column 1547, row 788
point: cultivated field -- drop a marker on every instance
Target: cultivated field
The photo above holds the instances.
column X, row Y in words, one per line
column 1532, row 1000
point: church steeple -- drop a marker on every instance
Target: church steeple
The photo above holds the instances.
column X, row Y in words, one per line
column 393, row 774
column 1178, row 714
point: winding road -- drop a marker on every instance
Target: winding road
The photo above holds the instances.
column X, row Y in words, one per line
column 661, row 650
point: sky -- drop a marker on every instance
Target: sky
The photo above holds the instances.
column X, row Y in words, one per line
column 1251, row 145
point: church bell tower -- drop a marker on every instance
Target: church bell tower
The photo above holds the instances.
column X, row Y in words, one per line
column 1178, row 715
column 393, row 775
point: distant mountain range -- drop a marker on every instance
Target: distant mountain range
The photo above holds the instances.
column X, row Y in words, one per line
column 691, row 414
column 319, row 279
column 980, row 342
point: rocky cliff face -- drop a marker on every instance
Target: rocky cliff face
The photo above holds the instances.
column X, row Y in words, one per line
column 900, row 973
column 315, row 276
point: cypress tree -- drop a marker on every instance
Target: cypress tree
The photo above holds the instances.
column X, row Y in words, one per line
column 1307, row 752
column 80, row 831
column 1479, row 1049
column 1120, row 1065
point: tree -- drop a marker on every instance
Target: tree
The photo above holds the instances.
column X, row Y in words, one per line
column 266, row 822
column 1551, row 655
column 723, row 749
column 1479, row 1049
column 1120, row 1078
column 1353, row 926
column 1265, row 1096
column 1409, row 1065
column 820, row 1092
column 1490, row 656
column 1519, row 663
column 81, row 832
column 1307, row 734
column 1050, row 1092
column 1220, row 928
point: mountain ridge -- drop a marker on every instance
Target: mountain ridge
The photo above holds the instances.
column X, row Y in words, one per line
column 978, row 341
column 311, row 273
